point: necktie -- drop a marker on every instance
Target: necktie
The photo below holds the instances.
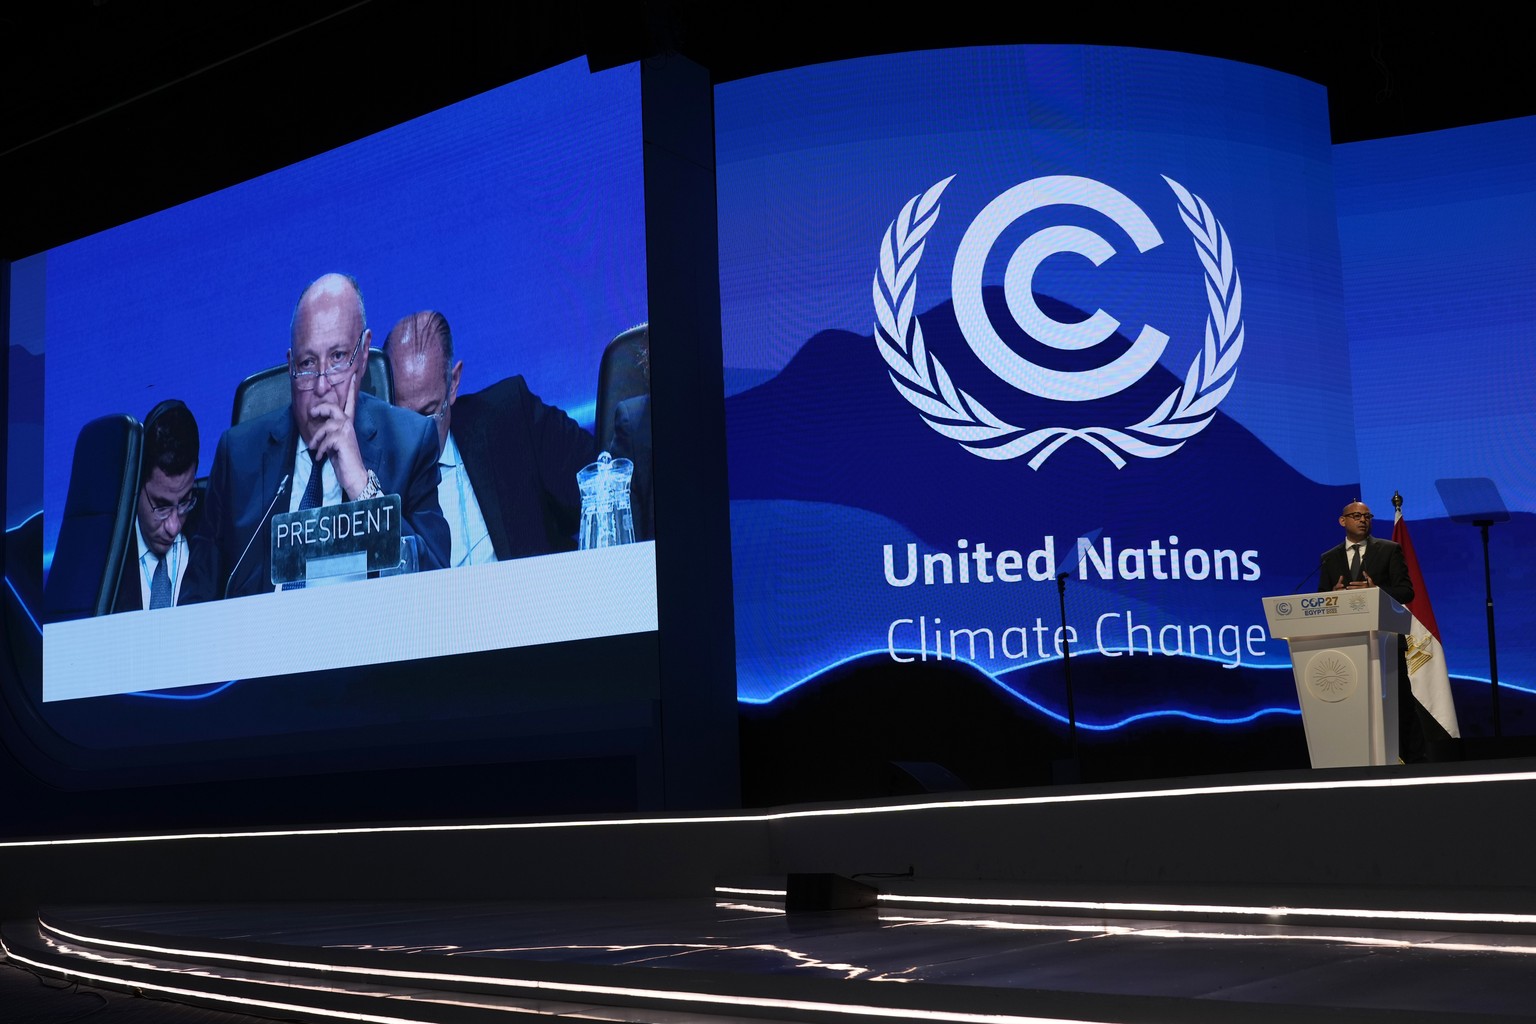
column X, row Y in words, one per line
column 160, row 587
column 315, row 492
column 1354, row 561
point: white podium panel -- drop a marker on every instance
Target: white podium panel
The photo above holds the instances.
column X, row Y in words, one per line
column 1344, row 655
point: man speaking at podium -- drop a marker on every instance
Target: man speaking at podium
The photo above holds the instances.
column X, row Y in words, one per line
column 354, row 447
column 1366, row 561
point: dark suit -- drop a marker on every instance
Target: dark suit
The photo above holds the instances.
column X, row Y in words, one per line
column 254, row 456
column 522, row 457
column 130, row 596
column 1382, row 561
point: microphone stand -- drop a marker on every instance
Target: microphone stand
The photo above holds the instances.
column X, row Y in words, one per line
column 282, row 485
column 1476, row 500
column 1069, row 770
column 1493, row 647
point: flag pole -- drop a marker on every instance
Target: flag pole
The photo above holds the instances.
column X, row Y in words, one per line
column 1428, row 678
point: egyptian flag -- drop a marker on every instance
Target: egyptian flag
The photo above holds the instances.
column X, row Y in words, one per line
column 1427, row 674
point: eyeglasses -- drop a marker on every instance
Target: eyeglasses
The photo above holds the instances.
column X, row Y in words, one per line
column 182, row 508
column 307, row 375
column 1363, row 517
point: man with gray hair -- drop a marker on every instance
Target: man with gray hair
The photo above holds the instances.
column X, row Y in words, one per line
column 333, row 442
column 508, row 460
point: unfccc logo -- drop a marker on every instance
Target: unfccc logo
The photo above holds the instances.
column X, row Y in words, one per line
column 922, row 380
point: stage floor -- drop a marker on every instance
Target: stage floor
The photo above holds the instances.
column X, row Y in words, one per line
column 740, row 957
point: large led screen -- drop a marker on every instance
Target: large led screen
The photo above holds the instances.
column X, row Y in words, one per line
column 1438, row 257
column 1033, row 355
column 516, row 215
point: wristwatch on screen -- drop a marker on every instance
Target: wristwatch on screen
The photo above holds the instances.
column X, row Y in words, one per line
column 373, row 490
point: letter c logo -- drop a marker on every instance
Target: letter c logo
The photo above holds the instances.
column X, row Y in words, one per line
column 1018, row 289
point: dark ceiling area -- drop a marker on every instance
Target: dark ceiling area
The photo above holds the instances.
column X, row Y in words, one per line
column 116, row 108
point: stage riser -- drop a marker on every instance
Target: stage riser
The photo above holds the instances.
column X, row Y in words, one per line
column 1475, row 833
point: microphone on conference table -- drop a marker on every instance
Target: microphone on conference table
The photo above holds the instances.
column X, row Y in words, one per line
column 282, row 485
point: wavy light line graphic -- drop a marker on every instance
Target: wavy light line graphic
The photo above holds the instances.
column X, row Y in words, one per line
column 1023, row 698
column 22, row 604
column 995, row 679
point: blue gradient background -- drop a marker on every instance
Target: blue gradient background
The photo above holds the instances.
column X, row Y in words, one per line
column 1438, row 233
column 519, row 213
column 828, row 462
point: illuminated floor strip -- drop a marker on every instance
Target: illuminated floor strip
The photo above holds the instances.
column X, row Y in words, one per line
column 1176, row 932
column 722, row 1003
column 1446, row 917
column 237, row 1002
column 1102, row 906
column 1227, row 935
column 826, row 812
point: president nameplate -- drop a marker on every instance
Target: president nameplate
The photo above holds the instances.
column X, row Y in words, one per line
column 347, row 540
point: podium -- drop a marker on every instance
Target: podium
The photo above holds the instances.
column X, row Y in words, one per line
column 1344, row 654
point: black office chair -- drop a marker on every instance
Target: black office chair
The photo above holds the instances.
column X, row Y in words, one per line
column 96, row 530
column 262, row 392
column 621, row 374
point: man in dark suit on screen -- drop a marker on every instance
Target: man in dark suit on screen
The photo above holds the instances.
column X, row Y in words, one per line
column 154, row 577
column 332, row 443
column 508, row 460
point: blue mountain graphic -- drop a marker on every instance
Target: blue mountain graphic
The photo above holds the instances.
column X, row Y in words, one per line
column 831, row 427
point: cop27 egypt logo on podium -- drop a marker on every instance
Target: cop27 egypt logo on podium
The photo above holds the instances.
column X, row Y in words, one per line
column 922, row 380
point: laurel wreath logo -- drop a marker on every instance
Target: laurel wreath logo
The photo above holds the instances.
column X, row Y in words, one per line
column 922, row 380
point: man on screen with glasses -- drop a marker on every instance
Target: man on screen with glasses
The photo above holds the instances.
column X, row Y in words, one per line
column 332, row 443
column 153, row 576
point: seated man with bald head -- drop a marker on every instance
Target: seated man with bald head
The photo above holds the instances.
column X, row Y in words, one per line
column 508, row 460
column 333, row 442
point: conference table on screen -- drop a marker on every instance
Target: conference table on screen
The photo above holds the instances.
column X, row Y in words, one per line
column 555, row 598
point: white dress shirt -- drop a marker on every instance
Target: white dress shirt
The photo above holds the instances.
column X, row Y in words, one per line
column 471, row 540
column 1349, row 555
